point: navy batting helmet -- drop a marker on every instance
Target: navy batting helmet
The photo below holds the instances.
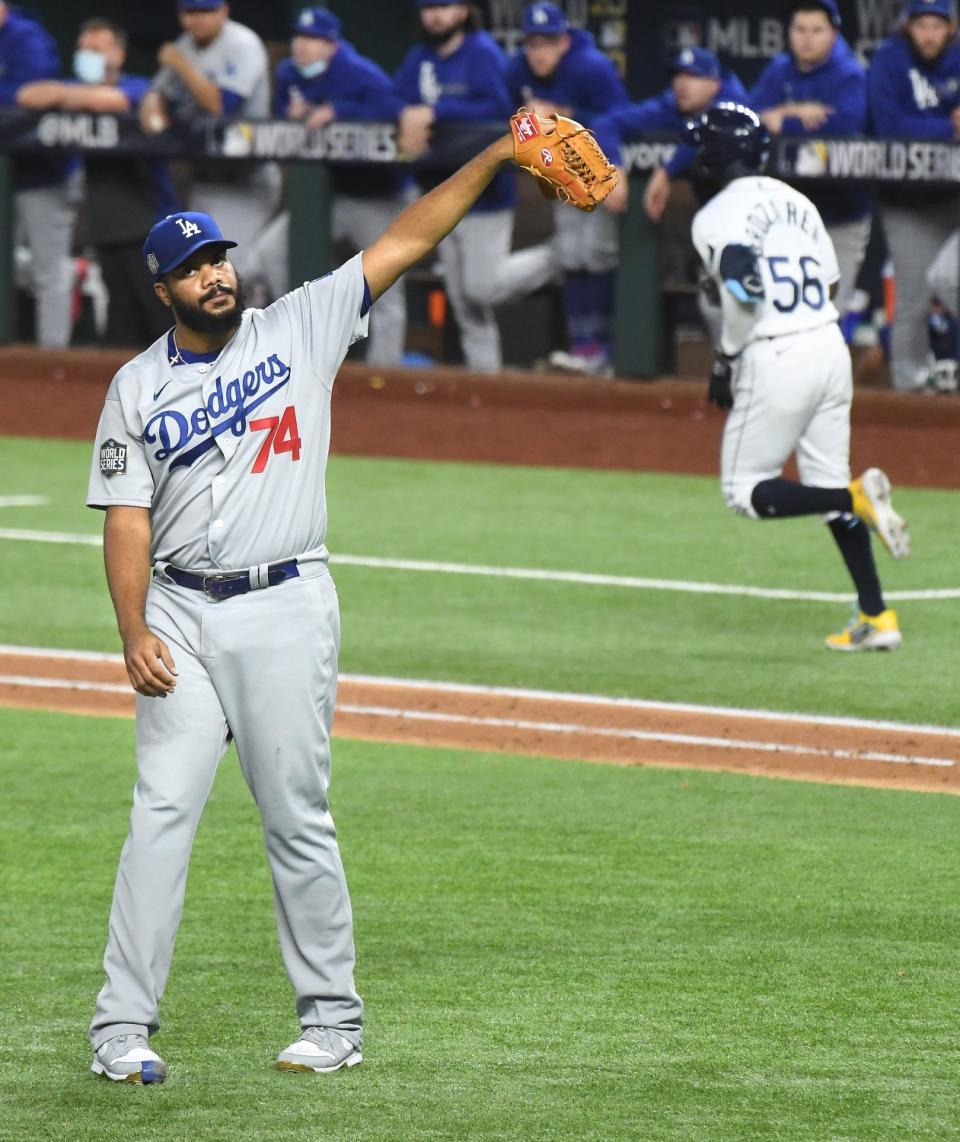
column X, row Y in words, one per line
column 730, row 140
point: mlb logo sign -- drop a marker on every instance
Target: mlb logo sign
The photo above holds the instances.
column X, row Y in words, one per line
column 527, row 127
column 113, row 457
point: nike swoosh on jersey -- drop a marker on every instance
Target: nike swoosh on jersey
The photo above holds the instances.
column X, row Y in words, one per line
column 156, row 395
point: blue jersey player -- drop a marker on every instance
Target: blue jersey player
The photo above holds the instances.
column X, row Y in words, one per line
column 456, row 74
column 325, row 79
column 697, row 83
column 913, row 91
column 559, row 70
column 819, row 87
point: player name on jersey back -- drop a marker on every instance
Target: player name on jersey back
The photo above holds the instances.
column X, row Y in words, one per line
column 780, row 233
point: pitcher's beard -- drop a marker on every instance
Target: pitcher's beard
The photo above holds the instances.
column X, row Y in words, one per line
column 195, row 317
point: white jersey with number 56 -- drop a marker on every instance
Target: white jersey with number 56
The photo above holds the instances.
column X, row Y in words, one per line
column 766, row 247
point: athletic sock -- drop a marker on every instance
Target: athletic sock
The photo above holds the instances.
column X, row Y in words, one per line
column 853, row 539
column 781, row 499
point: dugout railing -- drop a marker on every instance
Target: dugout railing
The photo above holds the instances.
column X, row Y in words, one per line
column 640, row 342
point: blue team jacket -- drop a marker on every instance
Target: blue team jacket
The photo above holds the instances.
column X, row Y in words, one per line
column 467, row 87
column 841, row 82
column 359, row 90
column 909, row 97
column 28, row 52
column 585, row 80
column 632, row 121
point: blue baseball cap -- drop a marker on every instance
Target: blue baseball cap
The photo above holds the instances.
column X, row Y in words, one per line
column 942, row 8
column 173, row 239
column 318, row 22
column 199, row 5
column 827, row 6
column 696, row 61
column 544, row 19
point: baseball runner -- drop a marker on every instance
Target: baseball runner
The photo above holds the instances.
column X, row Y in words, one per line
column 783, row 369
column 913, row 92
column 209, row 462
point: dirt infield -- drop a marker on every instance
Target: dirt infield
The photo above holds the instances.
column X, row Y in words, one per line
column 512, row 418
column 522, row 419
column 563, row 726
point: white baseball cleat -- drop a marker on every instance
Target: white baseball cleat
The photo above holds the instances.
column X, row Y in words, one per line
column 871, row 502
column 320, row 1049
column 128, row 1059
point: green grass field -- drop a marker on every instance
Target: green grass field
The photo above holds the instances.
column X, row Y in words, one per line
column 548, row 950
column 652, row 644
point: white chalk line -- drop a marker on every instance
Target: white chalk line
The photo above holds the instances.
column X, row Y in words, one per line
column 63, row 684
column 642, row 735
column 564, row 728
column 379, row 680
column 532, row 574
column 24, row 501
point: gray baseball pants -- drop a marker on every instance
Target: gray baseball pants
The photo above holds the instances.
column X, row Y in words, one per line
column 481, row 272
column 261, row 668
column 46, row 216
column 850, row 244
column 586, row 241
column 943, row 277
column 359, row 221
column 915, row 235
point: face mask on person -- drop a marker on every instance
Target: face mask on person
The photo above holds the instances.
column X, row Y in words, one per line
column 89, row 67
column 312, row 70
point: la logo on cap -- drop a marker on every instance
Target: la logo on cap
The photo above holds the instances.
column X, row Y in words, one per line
column 686, row 57
column 306, row 19
column 540, row 16
column 188, row 228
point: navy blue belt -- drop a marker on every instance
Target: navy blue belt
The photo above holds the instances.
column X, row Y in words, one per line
column 226, row 584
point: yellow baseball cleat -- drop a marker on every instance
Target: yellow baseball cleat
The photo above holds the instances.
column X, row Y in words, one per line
column 869, row 632
column 871, row 502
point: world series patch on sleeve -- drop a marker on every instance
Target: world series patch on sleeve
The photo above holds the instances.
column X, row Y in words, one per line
column 564, row 157
column 113, row 457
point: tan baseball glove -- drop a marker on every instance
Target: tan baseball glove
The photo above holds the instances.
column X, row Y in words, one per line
column 564, row 157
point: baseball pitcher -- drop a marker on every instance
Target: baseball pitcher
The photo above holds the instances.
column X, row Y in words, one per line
column 209, row 462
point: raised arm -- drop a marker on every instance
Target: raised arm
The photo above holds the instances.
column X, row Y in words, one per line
column 126, row 556
column 426, row 222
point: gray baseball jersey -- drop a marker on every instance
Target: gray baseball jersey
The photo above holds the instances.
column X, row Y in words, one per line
column 229, row 457
column 236, row 60
column 211, row 447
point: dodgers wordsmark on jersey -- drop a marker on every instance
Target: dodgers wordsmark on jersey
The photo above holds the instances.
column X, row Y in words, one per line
column 765, row 245
column 213, row 448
